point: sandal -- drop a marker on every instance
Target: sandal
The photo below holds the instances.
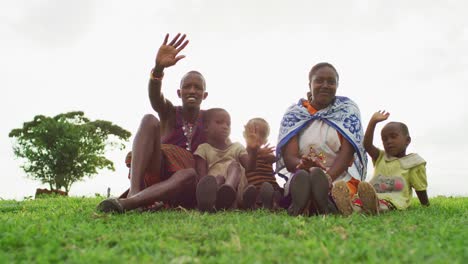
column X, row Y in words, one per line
column 225, row 197
column 249, row 197
column 110, row 205
column 368, row 196
column 300, row 193
column 206, row 193
column 341, row 196
column 266, row 195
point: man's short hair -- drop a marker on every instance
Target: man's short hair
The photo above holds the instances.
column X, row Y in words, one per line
column 193, row 72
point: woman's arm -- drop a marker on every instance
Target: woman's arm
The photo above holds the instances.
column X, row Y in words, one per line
column 342, row 161
column 291, row 155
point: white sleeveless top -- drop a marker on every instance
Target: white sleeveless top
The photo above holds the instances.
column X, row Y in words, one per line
column 322, row 140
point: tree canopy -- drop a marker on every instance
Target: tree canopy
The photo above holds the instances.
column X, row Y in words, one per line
column 64, row 149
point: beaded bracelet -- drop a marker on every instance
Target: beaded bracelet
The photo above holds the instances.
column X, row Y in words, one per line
column 154, row 78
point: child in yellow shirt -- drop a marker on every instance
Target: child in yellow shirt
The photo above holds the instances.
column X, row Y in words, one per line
column 396, row 173
column 221, row 165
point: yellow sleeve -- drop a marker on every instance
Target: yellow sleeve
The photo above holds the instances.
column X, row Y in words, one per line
column 238, row 150
column 379, row 158
column 202, row 151
column 417, row 178
column 242, row 150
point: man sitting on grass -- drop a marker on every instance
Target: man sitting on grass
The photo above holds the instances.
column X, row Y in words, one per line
column 162, row 164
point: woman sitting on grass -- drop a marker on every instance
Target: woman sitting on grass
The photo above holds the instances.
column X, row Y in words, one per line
column 395, row 172
column 319, row 143
column 221, row 165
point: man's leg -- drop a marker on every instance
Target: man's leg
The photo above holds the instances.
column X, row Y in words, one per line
column 181, row 182
column 146, row 153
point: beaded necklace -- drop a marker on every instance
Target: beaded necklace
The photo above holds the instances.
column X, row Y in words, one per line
column 189, row 130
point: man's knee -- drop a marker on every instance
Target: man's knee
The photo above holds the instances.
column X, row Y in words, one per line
column 187, row 177
column 149, row 121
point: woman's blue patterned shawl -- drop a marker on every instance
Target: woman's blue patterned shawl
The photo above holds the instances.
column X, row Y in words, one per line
column 343, row 115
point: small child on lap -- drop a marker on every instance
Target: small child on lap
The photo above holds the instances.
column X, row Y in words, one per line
column 222, row 165
column 395, row 172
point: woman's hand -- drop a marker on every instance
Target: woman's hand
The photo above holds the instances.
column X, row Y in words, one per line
column 167, row 53
column 308, row 162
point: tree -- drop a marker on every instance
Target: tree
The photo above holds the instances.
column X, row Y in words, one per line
column 66, row 148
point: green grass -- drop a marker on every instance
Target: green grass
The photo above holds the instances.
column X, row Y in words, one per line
column 69, row 230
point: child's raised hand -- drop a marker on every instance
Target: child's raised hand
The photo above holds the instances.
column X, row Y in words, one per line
column 266, row 150
column 267, row 153
column 252, row 138
column 380, row 116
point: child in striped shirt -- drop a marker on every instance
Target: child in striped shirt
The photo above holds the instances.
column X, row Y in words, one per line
column 262, row 177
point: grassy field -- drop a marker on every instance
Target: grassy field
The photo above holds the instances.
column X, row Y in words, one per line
column 69, row 230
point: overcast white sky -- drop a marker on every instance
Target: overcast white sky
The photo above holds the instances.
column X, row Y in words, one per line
column 408, row 57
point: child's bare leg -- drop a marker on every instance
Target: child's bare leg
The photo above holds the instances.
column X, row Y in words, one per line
column 226, row 194
column 180, row 182
column 146, row 153
column 357, row 209
column 233, row 174
column 220, row 180
column 383, row 207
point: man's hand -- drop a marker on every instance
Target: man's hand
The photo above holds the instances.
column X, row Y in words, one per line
column 167, row 53
column 379, row 116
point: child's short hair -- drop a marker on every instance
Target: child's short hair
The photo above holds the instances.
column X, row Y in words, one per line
column 260, row 120
column 403, row 127
column 208, row 115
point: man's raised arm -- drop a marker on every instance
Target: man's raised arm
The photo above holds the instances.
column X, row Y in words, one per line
column 166, row 57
